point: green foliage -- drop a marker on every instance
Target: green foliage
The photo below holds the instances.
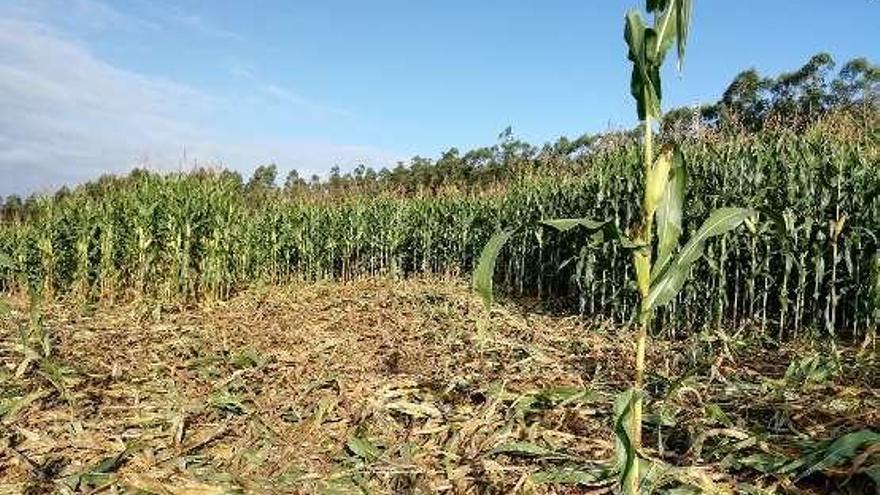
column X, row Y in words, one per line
column 625, row 451
column 663, row 188
column 527, row 449
column 834, row 453
column 669, row 280
column 874, row 292
column 609, row 231
column 669, row 213
column 363, row 448
column 648, row 47
column 264, row 178
column 98, row 475
column 854, row 453
column 566, row 224
column 485, row 269
column 645, row 79
column 793, row 99
column 227, row 402
column 197, row 236
column 569, row 476
column 813, row 369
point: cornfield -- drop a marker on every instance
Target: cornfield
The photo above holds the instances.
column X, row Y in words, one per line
column 814, row 268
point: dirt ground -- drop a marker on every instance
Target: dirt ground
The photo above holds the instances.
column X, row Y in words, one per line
column 385, row 386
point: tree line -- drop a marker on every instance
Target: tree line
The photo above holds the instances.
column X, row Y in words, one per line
column 752, row 102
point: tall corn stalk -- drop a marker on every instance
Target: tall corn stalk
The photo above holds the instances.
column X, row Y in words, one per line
column 658, row 279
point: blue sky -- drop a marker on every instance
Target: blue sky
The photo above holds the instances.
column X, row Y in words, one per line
column 93, row 86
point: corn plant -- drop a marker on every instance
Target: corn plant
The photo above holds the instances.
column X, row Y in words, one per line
column 127, row 238
column 662, row 267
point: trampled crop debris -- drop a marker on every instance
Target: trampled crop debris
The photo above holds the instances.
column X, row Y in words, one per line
column 389, row 386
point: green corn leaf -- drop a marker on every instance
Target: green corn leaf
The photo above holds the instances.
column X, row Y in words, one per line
column 645, row 81
column 720, row 221
column 362, row 447
column 100, row 472
column 608, row 230
column 672, row 24
column 653, row 57
column 548, row 399
column 110, row 463
column 668, row 214
column 667, row 30
column 671, row 280
column 875, row 287
column 645, row 88
column 569, row 476
column 653, row 92
column 684, row 11
column 634, row 34
column 625, row 454
column 763, row 461
column 482, row 279
column 566, row 224
column 842, row 450
column 648, row 47
column 528, row 449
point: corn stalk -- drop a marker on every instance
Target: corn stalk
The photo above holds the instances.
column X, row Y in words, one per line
column 659, row 279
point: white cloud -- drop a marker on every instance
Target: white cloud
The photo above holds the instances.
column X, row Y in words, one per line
column 200, row 25
column 88, row 15
column 68, row 116
column 98, row 16
column 279, row 94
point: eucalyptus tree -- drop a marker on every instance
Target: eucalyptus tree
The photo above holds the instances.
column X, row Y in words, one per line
column 263, row 179
column 661, row 264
